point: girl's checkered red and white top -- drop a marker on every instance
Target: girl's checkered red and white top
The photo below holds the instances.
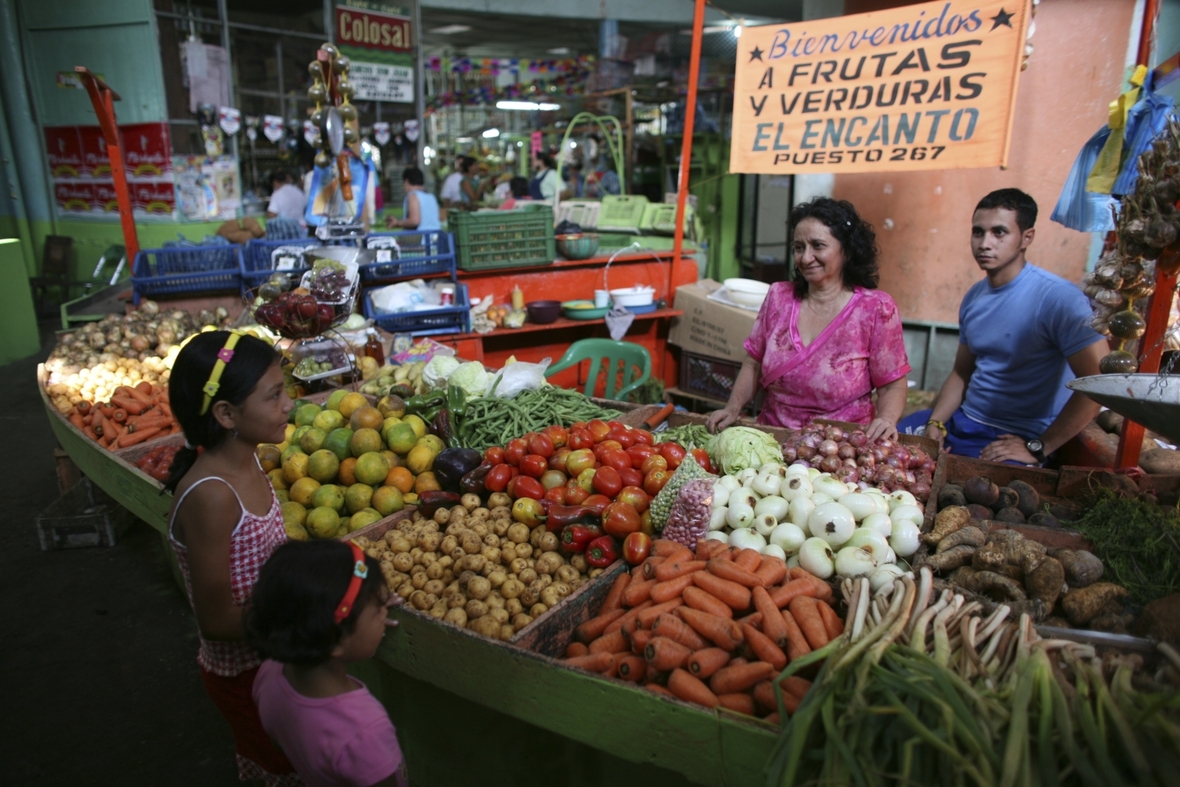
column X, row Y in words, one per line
column 253, row 540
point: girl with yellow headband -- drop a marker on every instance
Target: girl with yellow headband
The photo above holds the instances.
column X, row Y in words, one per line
column 227, row 391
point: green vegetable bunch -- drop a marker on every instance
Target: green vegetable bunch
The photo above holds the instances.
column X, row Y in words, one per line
column 491, row 420
column 689, row 436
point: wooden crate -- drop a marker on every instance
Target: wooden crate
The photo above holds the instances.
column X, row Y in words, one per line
column 68, row 473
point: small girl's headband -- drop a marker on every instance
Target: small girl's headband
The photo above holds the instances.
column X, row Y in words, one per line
column 224, row 356
column 359, row 572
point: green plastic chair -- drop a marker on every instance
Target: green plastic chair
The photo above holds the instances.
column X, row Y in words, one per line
column 636, row 361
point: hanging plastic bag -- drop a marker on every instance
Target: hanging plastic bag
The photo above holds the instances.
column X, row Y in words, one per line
column 1082, row 210
column 518, row 377
column 1146, row 121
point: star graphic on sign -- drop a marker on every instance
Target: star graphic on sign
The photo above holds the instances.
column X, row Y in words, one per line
column 755, row 54
column 1002, row 18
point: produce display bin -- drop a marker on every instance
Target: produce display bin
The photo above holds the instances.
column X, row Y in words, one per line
column 187, row 270
column 584, row 214
column 504, row 238
column 447, row 319
column 622, row 212
column 83, row 517
column 258, row 259
column 410, row 254
column 661, row 217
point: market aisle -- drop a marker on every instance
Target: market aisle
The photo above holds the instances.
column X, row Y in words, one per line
column 97, row 668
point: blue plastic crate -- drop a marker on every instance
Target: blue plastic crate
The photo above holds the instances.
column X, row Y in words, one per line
column 184, row 270
column 448, row 319
column 256, row 259
column 419, row 254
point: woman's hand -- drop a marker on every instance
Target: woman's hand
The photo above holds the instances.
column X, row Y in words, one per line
column 391, row 221
column 879, row 429
column 719, row 419
column 934, row 433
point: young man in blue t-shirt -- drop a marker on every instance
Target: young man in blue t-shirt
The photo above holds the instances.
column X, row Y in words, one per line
column 1023, row 333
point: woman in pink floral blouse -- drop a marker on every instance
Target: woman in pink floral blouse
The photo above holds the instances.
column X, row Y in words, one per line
column 824, row 341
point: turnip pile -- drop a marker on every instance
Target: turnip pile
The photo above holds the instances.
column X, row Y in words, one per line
column 924, row 688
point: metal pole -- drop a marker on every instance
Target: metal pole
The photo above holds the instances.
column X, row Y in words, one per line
column 329, row 33
column 223, row 16
column 690, row 111
column 419, row 84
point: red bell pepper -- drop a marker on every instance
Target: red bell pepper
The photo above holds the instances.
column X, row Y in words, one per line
column 575, row 538
column 601, row 552
column 562, row 515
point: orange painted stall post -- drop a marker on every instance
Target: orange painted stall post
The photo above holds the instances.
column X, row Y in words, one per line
column 103, row 99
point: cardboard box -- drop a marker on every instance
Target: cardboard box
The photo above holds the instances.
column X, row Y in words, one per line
column 707, row 327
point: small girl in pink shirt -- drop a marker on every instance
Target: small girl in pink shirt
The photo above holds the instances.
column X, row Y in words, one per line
column 317, row 607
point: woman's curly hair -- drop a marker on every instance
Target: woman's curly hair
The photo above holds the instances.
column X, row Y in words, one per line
column 855, row 235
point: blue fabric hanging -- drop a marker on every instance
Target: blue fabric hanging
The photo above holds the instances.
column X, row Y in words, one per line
column 1146, row 120
column 1078, row 209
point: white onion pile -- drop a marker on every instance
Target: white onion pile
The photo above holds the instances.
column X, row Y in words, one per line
column 887, row 465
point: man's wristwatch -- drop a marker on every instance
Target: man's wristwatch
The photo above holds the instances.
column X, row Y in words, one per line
column 1036, row 448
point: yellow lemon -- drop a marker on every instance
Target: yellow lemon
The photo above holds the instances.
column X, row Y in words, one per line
column 401, row 437
column 338, row 442
column 388, row 500
column 301, row 491
column 420, row 459
column 365, row 441
column 362, row 519
column 366, row 417
column 392, row 458
column 295, row 513
column 277, row 482
column 371, row 469
column 282, row 496
column 333, row 402
column 388, row 422
column 391, row 406
column 434, row 441
column 329, row 495
column 306, row 414
column 358, row 497
column 328, row 420
column 418, row 425
column 323, row 466
column 269, row 456
column 294, row 468
column 313, row 440
column 352, row 402
column 322, row 522
column 426, row 482
column 296, row 532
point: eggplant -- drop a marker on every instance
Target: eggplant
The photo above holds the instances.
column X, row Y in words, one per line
column 452, row 464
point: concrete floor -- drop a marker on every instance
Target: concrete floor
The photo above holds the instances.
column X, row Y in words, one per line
column 98, row 673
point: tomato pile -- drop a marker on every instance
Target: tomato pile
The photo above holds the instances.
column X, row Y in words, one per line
column 592, row 484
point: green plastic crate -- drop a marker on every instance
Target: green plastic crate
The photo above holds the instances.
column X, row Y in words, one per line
column 661, row 217
column 622, row 212
column 503, row 238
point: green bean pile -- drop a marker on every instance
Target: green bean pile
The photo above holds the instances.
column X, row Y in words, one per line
column 491, row 420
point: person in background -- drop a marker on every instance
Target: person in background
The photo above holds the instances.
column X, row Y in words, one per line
column 287, row 200
column 1023, row 333
column 228, row 394
column 475, row 183
column 420, row 208
column 824, row 341
column 520, row 193
column 575, row 182
column 318, row 607
column 450, row 194
column 544, row 184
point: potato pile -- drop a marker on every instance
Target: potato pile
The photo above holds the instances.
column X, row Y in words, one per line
column 474, row 567
column 1005, row 566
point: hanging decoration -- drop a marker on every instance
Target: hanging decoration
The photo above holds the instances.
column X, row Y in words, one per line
column 381, row 133
column 453, row 86
column 272, row 127
column 229, row 119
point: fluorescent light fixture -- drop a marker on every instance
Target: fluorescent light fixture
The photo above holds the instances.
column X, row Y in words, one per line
column 491, row 133
column 449, row 30
column 527, row 106
column 561, row 50
column 573, row 144
column 737, row 31
column 464, row 139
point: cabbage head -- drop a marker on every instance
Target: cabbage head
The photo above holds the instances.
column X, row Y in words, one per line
column 472, row 378
column 438, row 371
column 739, row 447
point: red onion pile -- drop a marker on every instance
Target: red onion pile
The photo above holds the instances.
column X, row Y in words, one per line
column 850, row 456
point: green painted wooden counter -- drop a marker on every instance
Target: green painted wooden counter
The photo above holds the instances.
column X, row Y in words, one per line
column 473, row 711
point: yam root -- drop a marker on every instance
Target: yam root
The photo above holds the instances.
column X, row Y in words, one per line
column 995, row 586
column 1084, row 604
column 992, row 556
column 970, row 536
column 961, row 576
column 951, row 559
column 948, row 521
column 1045, row 581
column 1082, row 568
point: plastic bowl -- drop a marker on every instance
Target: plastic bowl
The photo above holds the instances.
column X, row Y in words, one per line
column 577, row 246
column 747, row 292
column 633, row 296
column 583, row 310
column 543, row 312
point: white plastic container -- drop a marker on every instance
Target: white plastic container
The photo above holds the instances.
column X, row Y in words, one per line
column 633, row 296
column 747, row 292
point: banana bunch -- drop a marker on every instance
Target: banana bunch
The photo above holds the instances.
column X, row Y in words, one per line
column 405, row 380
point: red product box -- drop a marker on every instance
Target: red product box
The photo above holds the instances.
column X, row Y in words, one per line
column 147, row 150
column 96, row 163
column 74, row 197
column 157, row 199
column 64, row 148
column 105, row 199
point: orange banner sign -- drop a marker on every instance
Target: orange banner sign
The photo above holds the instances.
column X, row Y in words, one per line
column 930, row 86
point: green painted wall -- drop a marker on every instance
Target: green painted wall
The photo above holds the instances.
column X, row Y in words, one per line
column 18, row 320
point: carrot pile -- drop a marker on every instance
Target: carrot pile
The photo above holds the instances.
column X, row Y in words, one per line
column 133, row 415
column 714, row 627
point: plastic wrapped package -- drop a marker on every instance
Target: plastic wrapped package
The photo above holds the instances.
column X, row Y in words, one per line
column 688, row 521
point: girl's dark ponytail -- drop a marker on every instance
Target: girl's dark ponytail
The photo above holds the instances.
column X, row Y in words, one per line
column 251, row 359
